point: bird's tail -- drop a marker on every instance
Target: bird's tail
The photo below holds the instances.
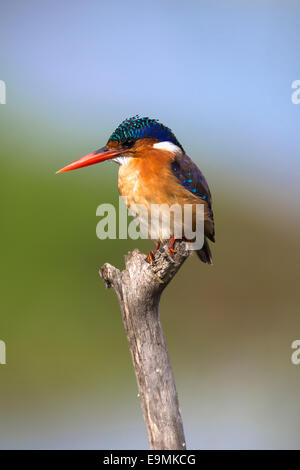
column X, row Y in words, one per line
column 205, row 253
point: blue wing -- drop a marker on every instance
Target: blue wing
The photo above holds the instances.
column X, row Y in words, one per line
column 193, row 180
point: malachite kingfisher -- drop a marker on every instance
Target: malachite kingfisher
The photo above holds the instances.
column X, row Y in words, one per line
column 154, row 169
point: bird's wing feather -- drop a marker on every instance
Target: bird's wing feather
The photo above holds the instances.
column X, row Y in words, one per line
column 193, row 180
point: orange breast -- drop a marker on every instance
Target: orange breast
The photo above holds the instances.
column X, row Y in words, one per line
column 150, row 180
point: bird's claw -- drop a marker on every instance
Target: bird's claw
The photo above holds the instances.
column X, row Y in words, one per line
column 151, row 253
column 150, row 257
column 172, row 251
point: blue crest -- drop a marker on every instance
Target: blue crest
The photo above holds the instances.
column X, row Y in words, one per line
column 136, row 128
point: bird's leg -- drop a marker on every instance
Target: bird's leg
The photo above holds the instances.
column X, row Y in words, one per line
column 172, row 241
column 171, row 245
column 151, row 253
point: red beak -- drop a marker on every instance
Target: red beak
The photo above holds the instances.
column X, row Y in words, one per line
column 95, row 157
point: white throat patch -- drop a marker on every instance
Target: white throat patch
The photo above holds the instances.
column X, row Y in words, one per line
column 122, row 160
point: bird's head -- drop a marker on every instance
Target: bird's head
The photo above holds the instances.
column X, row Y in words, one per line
column 133, row 138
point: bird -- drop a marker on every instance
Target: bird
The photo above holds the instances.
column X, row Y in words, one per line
column 155, row 169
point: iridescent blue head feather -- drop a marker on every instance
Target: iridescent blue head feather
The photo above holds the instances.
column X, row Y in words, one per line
column 136, row 128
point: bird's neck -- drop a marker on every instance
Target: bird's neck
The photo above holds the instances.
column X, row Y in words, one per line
column 140, row 177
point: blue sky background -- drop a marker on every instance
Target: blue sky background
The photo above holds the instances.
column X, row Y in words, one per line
column 218, row 73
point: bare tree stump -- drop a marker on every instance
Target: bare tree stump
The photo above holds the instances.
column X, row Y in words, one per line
column 139, row 288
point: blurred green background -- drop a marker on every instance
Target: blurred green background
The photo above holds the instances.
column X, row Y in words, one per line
column 219, row 74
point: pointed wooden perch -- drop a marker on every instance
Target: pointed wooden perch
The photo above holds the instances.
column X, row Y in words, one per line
column 139, row 288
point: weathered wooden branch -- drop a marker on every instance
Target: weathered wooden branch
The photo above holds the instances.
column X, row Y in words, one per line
column 139, row 288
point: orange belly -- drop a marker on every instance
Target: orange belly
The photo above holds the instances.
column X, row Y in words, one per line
column 144, row 182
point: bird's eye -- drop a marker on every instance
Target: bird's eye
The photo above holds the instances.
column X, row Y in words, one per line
column 129, row 143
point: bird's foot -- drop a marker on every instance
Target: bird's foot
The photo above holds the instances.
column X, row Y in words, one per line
column 151, row 253
column 150, row 257
column 172, row 241
column 172, row 251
